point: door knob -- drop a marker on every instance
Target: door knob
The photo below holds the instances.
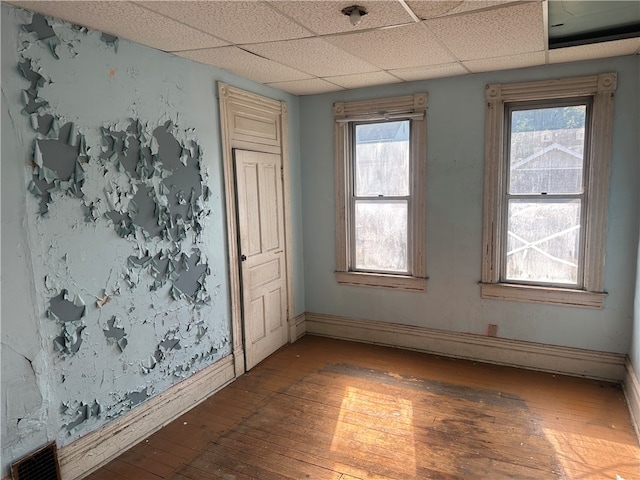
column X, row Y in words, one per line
column 243, row 257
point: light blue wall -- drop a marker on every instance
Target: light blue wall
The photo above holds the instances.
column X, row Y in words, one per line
column 634, row 353
column 455, row 151
column 93, row 86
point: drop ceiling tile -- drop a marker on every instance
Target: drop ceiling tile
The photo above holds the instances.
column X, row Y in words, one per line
column 426, row 9
column 237, row 22
column 245, row 64
column 392, row 48
column 129, row 21
column 360, row 80
column 312, row 55
column 325, row 17
column 306, row 87
column 509, row 30
column 628, row 46
column 431, row 71
column 505, row 63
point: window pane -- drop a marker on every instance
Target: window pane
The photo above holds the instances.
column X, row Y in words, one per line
column 382, row 159
column 547, row 148
column 543, row 241
column 381, row 235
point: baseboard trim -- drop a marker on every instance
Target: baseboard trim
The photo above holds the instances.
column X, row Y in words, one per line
column 528, row 355
column 299, row 327
column 632, row 393
column 90, row 452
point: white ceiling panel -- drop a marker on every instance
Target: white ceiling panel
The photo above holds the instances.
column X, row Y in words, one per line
column 627, row 46
column 426, row 9
column 129, row 21
column 515, row 28
column 360, row 80
column 325, row 17
column 237, row 22
column 306, row 87
column 505, row 63
column 431, row 71
column 314, row 56
column 392, row 48
column 245, row 64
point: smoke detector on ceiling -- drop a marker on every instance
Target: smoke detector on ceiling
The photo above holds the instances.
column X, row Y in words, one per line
column 355, row 14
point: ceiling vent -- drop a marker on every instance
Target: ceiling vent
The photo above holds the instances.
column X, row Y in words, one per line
column 40, row 465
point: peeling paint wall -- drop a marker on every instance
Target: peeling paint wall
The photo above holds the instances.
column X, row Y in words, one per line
column 114, row 273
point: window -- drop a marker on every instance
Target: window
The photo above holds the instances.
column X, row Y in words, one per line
column 546, row 184
column 380, row 192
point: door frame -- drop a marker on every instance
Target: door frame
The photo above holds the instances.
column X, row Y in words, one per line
column 252, row 122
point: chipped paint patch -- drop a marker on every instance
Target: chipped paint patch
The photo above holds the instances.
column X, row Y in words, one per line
column 65, row 308
column 115, row 334
column 81, row 412
column 110, row 40
column 41, row 31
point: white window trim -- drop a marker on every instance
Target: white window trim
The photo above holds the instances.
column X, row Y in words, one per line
column 601, row 88
column 407, row 107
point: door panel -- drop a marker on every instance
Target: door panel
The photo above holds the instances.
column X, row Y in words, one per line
column 249, row 187
column 261, row 230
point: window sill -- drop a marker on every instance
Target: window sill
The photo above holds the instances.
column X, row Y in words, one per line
column 400, row 282
column 548, row 295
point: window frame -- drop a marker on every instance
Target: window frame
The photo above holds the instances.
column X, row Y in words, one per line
column 346, row 115
column 600, row 91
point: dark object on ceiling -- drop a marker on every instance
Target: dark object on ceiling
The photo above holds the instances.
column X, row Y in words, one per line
column 582, row 22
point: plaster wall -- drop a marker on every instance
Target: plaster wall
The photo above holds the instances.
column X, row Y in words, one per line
column 454, row 185
column 63, row 376
column 634, row 353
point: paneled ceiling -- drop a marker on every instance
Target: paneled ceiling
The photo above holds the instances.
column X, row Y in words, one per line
column 308, row 46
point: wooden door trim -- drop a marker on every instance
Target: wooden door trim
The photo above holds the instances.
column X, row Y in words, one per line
column 235, row 103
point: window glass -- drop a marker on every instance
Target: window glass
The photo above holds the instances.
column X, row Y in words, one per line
column 381, row 235
column 543, row 241
column 546, row 152
column 382, row 159
column 545, row 188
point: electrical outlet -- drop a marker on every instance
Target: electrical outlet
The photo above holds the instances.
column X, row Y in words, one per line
column 492, row 330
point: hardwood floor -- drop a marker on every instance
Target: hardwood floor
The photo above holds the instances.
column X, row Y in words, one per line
column 329, row 409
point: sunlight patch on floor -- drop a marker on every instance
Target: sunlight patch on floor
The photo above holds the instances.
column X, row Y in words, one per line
column 575, row 453
column 391, row 431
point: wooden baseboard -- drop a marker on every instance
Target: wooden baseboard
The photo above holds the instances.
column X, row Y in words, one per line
column 532, row 356
column 95, row 449
column 298, row 329
column 632, row 393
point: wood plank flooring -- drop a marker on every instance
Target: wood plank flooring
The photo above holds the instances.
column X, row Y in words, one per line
column 327, row 409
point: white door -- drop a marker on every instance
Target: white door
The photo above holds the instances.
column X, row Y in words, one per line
column 262, row 253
